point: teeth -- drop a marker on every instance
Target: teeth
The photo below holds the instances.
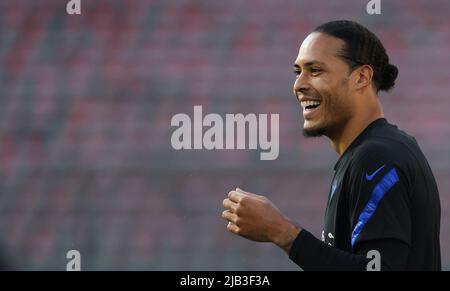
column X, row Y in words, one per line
column 309, row 103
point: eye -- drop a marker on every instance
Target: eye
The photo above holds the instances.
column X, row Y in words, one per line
column 315, row 71
column 297, row 73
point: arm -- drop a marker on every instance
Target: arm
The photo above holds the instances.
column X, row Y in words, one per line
column 256, row 218
column 311, row 254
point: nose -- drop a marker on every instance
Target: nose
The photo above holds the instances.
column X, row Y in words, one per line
column 300, row 85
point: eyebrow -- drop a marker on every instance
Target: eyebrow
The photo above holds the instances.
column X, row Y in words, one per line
column 310, row 63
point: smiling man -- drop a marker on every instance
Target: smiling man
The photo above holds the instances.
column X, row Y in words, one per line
column 383, row 195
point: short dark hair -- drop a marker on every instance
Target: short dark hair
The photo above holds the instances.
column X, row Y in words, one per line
column 362, row 47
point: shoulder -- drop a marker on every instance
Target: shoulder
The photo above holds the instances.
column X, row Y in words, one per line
column 388, row 146
column 383, row 156
column 378, row 148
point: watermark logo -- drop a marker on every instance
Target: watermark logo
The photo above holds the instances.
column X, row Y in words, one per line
column 73, row 7
column 375, row 263
column 373, row 7
column 74, row 263
column 213, row 137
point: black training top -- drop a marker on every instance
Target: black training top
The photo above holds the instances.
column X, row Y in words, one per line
column 383, row 197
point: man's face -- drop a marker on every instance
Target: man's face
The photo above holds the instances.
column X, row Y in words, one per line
column 322, row 86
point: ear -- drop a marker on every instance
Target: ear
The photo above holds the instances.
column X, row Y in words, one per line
column 362, row 77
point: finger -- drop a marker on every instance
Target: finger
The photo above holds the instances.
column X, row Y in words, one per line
column 246, row 193
column 228, row 204
column 236, row 196
column 227, row 215
column 233, row 228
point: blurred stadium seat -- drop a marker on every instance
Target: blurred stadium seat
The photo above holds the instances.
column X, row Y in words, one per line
column 86, row 103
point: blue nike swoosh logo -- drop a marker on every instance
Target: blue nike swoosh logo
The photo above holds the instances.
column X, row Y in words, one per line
column 370, row 177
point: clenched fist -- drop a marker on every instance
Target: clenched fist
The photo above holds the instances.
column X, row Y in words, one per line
column 256, row 218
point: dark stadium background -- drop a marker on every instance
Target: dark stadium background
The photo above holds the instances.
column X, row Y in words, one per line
column 86, row 102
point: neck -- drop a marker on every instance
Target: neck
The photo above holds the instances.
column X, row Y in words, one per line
column 343, row 138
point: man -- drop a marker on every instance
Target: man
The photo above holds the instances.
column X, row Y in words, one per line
column 383, row 195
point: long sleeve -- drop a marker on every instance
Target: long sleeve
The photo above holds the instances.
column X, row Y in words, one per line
column 311, row 254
